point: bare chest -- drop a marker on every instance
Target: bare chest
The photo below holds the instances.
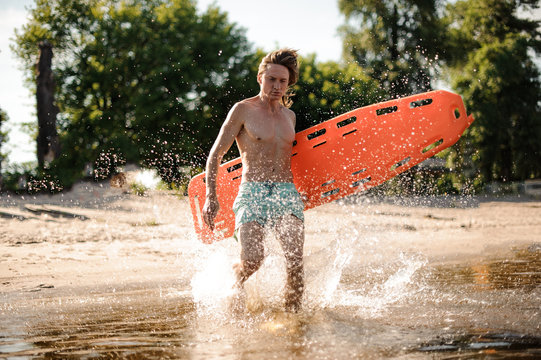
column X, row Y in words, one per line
column 275, row 129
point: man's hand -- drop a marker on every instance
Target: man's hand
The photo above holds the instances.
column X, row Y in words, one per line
column 210, row 209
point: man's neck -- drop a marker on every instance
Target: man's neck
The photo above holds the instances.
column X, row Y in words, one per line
column 270, row 105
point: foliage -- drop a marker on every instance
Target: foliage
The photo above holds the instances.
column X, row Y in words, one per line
column 491, row 66
column 108, row 164
column 396, row 41
column 150, row 78
column 138, row 189
column 151, row 82
column 486, row 50
column 3, row 137
column 325, row 90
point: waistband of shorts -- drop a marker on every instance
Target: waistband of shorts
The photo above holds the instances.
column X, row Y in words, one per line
column 266, row 184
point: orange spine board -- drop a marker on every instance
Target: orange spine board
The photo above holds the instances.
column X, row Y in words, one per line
column 349, row 153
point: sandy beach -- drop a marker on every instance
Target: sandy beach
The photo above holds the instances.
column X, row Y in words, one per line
column 95, row 240
column 102, row 236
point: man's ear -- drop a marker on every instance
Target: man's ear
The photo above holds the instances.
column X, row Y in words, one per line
column 259, row 78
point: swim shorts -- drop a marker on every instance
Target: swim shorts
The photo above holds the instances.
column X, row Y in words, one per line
column 266, row 202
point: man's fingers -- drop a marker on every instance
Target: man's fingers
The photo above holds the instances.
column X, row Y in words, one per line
column 209, row 220
column 209, row 215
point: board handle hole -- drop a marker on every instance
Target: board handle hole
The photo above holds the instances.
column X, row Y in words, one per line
column 329, row 193
column 358, row 172
column 328, row 183
column 386, row 110
column 317, row 133
column 419, row 103
column 234, row 167
column 348, row 121
column 400, row 163
column 457, row 113
column 360, row 182
column 433, row 145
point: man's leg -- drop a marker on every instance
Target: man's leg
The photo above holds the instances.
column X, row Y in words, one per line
column 290, row 231
column 251, row 237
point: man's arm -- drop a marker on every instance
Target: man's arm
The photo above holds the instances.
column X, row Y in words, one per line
column 228, row 132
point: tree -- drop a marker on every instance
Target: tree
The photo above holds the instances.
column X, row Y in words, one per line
column 490, row 61
column 48, row 147
column 150, row 79
column 3, row 139
column 325, row 90
column 397, row 41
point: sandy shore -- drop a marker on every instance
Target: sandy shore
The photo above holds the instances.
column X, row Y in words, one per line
column 97, row 237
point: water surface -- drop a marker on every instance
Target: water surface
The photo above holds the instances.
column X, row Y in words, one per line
column 357, row 305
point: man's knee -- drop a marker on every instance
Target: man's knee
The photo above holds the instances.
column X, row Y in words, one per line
column 294, row 258
column 290, row 225
column 254, row 259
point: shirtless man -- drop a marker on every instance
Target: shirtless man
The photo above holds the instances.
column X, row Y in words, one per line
column 263, row 127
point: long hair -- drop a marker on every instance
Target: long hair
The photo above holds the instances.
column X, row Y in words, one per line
column 288, row 58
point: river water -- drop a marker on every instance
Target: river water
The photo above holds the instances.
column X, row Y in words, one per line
column 362, row 301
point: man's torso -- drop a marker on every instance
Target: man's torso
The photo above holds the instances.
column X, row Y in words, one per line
column 265, row 142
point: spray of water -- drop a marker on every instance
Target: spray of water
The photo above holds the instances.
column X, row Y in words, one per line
column 148, row 178
column 372, row 301
column 212, row 285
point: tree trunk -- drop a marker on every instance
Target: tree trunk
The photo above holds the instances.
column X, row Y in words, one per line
column 48, row 146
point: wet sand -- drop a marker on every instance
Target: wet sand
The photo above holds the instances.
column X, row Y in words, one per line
column 122, row 268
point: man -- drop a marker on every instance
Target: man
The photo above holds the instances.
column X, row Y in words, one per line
column 263, row 127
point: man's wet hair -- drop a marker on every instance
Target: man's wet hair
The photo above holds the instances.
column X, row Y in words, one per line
column 288, row 58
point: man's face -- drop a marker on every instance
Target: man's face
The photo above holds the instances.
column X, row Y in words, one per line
column 273, row 81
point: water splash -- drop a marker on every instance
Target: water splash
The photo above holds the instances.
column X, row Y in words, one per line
column 148, row 178
column 373, row 301
column 212, row 286
column 324, row 271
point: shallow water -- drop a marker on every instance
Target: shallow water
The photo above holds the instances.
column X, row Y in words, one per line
column 399, row 307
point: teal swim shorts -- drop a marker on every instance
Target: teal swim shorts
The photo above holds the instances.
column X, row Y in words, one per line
column 266, row 202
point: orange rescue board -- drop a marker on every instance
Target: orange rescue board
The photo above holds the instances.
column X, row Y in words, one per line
column 348, row 154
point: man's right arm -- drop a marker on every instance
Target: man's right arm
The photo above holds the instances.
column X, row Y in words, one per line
column 228, row 132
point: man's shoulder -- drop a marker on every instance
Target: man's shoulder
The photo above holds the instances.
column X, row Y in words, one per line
column 237, row 109
column 288, row 111
column 248, row 102
column 290, row 114
column 245, row 104
column 243, row 107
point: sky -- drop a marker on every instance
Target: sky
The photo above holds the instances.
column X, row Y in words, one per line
column 312, row 28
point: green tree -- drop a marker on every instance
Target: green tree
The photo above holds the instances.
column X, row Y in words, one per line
column 397, row 41
column 3, row 139
column 491, row 66
column 325, row 90
column 149, row 79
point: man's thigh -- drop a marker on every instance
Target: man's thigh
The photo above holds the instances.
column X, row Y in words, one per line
column 251, row 237
column 290, row 230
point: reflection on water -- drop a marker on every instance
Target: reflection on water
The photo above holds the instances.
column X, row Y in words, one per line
column 405, row 308
column 115, row 325
column 522, row 271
